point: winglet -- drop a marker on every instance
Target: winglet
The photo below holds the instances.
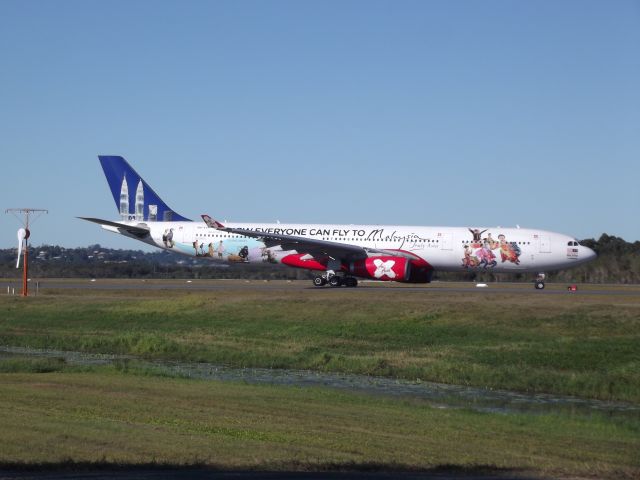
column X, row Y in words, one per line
column 211, row 223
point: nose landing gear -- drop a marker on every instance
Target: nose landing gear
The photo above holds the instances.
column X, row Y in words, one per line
column 539, row 283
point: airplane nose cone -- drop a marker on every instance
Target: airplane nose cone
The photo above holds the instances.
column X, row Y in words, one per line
column 588, row 254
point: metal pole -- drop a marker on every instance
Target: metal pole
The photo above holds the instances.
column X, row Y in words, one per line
column 25, row 271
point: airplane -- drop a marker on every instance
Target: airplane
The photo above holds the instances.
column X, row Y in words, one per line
column 340, row 254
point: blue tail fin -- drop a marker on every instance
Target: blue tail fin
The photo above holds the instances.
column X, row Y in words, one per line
column 134, row 198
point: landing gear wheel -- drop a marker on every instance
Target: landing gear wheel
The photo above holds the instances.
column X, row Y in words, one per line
column 351, row 282
column 319, row 281
column 335, row 281
column 539, row 285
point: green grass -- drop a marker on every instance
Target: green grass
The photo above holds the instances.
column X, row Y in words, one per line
column 587, row 346
column 32, row 365
column 109, row 417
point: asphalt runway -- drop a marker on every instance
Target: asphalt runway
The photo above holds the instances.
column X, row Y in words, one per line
column 365, row 287
column 137, row 472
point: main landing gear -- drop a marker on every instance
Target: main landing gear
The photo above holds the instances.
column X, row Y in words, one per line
column 540, row 281
column 335, row 280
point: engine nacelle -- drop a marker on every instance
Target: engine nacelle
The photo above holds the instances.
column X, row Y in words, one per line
column 396, row 269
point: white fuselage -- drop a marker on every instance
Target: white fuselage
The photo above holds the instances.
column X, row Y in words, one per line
column 443, row 248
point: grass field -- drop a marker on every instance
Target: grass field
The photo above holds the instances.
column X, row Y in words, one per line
column 52, row 413
column 101, row 415
column 587, row 346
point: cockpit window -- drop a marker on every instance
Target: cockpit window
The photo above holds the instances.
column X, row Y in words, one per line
column 573, row 243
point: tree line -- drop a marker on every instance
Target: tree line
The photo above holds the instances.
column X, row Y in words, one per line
column 618, row 262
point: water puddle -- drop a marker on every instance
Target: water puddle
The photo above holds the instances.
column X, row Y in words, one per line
column 436, row 394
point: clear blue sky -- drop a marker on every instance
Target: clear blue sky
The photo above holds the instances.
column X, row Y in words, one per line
column 395, row 112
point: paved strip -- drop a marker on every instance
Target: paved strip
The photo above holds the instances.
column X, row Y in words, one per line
column 201, row 473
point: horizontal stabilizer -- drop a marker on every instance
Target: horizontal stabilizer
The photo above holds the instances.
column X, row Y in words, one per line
column 136, row 230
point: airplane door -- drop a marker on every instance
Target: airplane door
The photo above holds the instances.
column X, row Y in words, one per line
column 445, row 240
column 545, row 244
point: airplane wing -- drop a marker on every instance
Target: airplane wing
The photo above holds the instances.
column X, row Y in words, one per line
column 311, row 246
column 136, row 230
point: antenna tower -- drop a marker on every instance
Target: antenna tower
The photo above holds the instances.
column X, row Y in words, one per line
column 24, row 216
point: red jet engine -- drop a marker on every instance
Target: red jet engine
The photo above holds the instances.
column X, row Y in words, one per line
column 396, row 269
